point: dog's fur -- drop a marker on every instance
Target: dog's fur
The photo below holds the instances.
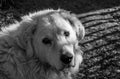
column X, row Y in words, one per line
column 22, row 54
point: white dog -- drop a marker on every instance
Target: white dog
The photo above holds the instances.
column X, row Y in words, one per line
column 44, row 45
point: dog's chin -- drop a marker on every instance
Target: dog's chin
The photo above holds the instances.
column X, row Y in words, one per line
column 67, row 69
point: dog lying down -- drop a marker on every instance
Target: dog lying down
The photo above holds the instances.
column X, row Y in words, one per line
column 44, row 45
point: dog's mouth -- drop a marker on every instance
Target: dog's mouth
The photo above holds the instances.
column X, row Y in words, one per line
column 66, row 67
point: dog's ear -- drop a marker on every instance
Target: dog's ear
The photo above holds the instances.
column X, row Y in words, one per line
column 80, row 30
column 75, row 22
column 27, row 30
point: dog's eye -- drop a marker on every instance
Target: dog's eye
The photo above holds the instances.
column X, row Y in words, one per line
column 47, row 41
column 66, row 33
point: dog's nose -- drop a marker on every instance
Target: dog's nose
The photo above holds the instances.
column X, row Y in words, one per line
column 66, row 58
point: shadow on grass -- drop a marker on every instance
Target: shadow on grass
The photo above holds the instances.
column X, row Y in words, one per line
column 101, row 45
column 77, row 6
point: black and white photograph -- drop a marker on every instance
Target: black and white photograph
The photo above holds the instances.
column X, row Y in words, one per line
column 59, row 39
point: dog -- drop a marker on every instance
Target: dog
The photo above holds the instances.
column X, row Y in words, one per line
column 43, row 45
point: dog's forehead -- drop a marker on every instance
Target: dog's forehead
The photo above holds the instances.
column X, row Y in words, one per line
column 56, row 22
column 60, row 22
column 56, row 25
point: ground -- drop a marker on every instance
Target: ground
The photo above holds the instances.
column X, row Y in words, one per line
column 101, row 44
column 101, row 19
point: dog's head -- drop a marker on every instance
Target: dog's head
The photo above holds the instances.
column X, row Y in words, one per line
column 55, row 37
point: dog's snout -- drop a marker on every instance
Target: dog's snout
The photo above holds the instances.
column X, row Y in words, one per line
column 66, row 58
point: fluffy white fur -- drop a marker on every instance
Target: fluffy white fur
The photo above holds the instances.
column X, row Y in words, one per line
column 24, row 56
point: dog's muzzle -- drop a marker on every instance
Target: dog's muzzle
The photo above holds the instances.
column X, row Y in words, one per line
column 66, row 58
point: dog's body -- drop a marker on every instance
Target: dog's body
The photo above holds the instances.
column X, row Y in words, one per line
column 42, row 46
